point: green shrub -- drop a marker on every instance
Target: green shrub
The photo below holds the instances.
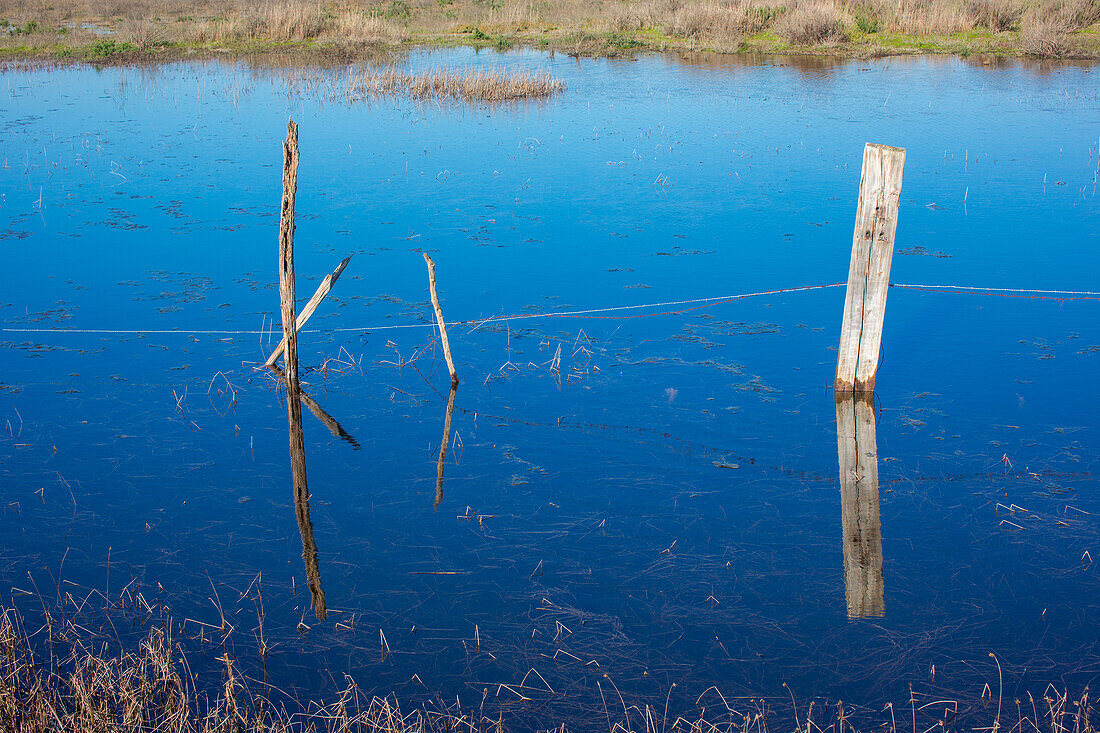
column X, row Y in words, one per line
column 622, row 41
column 398, row 9
column 867, row 24
column 107, row 48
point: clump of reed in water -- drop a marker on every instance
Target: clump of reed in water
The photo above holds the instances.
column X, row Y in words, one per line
column 439, row 84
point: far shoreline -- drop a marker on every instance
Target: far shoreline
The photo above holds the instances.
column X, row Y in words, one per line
column 327, row 54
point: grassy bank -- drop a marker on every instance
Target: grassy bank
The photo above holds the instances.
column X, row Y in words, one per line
column 58, row 676
column 110, row 29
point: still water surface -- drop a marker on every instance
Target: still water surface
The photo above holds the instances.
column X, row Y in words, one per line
column 644, row 501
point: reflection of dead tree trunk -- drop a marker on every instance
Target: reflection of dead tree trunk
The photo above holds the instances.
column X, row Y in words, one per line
column 443, row 447
column 301, row 503
column 857, row 453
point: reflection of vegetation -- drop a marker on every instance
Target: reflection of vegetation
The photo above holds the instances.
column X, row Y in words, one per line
column 1040, row 27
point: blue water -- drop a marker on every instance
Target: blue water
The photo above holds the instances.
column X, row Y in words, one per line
column 664, row 507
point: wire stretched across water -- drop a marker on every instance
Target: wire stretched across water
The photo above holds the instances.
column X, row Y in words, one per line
column 1027, row 293
column 596, row 313
column 586, row 313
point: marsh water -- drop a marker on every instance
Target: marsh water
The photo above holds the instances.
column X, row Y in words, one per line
column 648, row 500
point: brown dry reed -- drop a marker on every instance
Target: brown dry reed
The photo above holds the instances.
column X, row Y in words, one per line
column 443, row 84
column 78, row 686
column 1045, row 27
column 360, row 83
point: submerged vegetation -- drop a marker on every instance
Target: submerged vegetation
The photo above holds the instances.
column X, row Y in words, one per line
column 99, row 30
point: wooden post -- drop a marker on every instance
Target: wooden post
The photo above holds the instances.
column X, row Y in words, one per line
column 857, row 454
column 439, row 321
column 293, row 390
column 869, row 271
column 286, row 256
column 322, row 290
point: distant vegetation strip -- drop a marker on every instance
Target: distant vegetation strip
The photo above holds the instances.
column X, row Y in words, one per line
column 109, row 29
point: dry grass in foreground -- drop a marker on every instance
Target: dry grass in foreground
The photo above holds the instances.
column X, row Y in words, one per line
column 81, row 688
column 101, row 29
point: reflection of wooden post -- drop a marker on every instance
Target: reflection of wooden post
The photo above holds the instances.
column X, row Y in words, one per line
column 857, row 453
column 443, row 448
column 439, row 320
column 330, row 422
column 301, row 503
column 869, row 270
column 286, row 256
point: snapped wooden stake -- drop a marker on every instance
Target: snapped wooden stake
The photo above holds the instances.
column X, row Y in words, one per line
column 439, row 321
column 309, row 309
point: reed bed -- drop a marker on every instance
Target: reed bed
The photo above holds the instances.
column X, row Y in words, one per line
column 1040, row 27
column 441, row 84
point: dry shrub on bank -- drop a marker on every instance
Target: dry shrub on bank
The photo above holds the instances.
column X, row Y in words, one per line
column 707, row 19
column 364, row 28
column 1043, row 37
column 285, row 20
column 295, row 20
column 922, row 16
column 144, row 34
column 1069, row 15
column 996, row 15
column 813, row 24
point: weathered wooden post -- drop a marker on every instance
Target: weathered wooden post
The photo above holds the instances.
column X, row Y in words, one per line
column 286, row 257
column 293, row 390
column 439, row 321
column 857, row 455
column 869, row 271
